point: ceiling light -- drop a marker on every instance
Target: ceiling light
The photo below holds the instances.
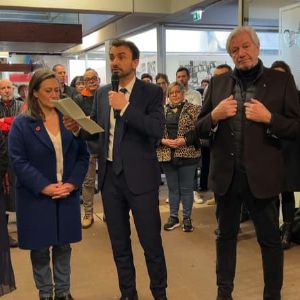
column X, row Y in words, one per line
column 4, row 54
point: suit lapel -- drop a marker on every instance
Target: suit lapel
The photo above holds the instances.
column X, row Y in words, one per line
column 261, row 89
column 229, row 90
column 136, row 93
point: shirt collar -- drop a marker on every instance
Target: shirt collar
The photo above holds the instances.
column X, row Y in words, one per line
column 129, row 86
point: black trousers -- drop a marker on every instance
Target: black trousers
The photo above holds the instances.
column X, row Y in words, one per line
column 205, row 160
column 288, row 206
column 264, row 214
column 118, row 200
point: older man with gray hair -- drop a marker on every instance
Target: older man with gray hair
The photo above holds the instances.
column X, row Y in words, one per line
column 245, row 113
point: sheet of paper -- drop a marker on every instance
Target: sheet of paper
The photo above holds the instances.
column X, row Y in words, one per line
column 89, row 125
column 69, row 108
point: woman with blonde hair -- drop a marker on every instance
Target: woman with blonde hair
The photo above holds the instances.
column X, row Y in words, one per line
column 179, row 154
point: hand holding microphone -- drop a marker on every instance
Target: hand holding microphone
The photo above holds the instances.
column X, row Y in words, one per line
column 117, row 100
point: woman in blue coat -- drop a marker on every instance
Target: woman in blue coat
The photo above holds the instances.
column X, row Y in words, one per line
column 50, row 164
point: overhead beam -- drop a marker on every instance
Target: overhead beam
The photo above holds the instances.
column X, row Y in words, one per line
column 16, row 68
column 42, row 33
column 103, row 6
column 70, row 6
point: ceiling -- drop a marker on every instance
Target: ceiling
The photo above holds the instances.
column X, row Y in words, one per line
column 216, row 14
column 90, row 23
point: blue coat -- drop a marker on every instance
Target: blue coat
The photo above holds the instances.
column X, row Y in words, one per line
column 41, row 221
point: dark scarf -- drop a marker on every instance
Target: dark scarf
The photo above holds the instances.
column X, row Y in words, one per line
column 247, row 77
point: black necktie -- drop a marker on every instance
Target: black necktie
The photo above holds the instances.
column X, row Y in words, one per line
column 118, row 134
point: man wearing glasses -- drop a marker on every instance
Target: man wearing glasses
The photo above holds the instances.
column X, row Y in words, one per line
column 85, row 100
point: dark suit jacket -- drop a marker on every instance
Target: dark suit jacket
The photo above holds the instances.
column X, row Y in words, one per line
column 262, row 151
column 144, row 124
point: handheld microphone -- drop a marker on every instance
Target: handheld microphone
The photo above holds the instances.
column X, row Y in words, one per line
column 115, row 87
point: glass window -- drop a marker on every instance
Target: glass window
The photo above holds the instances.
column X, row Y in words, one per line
column 276, row 22
column 198, row 50
column 147, row 44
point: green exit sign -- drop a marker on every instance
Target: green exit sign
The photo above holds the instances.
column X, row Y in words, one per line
column 197, row 15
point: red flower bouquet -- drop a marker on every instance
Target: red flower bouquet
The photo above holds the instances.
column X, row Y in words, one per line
column 5, row 124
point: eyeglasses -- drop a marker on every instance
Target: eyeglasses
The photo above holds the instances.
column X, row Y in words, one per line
column 88, row 79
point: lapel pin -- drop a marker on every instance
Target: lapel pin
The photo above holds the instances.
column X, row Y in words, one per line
column 37, row 128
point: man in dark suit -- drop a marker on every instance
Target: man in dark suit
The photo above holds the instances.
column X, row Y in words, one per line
column 245, row 113
column 129, row 173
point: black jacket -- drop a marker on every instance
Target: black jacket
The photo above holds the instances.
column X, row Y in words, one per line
column 262, row 151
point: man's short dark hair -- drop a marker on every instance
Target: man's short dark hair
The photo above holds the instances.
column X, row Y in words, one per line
column 163, row 76
column 21, row 86
column 180, row 69
column 205, row 80
column 281, row 64
column 146, row 75
column 224, row 66
column 132, row 47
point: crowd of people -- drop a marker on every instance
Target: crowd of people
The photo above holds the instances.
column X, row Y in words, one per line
column 241, row 128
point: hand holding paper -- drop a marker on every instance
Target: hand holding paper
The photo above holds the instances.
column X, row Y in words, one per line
column 70, row 109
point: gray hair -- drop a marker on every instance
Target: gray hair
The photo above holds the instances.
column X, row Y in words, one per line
column 240, row 29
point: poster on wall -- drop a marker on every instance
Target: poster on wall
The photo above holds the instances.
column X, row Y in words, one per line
column 289, row 37
column 147, row 65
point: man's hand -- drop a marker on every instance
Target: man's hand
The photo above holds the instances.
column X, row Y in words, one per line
column 225, row 109
column 117, row 100
column 70, row 124
column 257, row 112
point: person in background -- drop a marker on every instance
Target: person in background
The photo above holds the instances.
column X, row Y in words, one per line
column 162, row 80
column 245, row 114
column 9, row 108
column 78, row 83
column 203, row 85
column 179, row 154
column 7, row 279
column 147, row 77
column 194, row 97
column 23, row 92
column 65, row 90
column 290, row 151
column 85, row 100
column 50, row 164
column 191, row 95
column 133, row 122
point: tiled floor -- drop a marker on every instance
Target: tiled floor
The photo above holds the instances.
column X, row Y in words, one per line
column 190, row 260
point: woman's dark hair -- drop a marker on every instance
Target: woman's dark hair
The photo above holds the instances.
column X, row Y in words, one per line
column 75, row 80
column 281, row 64
column 33, row 107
